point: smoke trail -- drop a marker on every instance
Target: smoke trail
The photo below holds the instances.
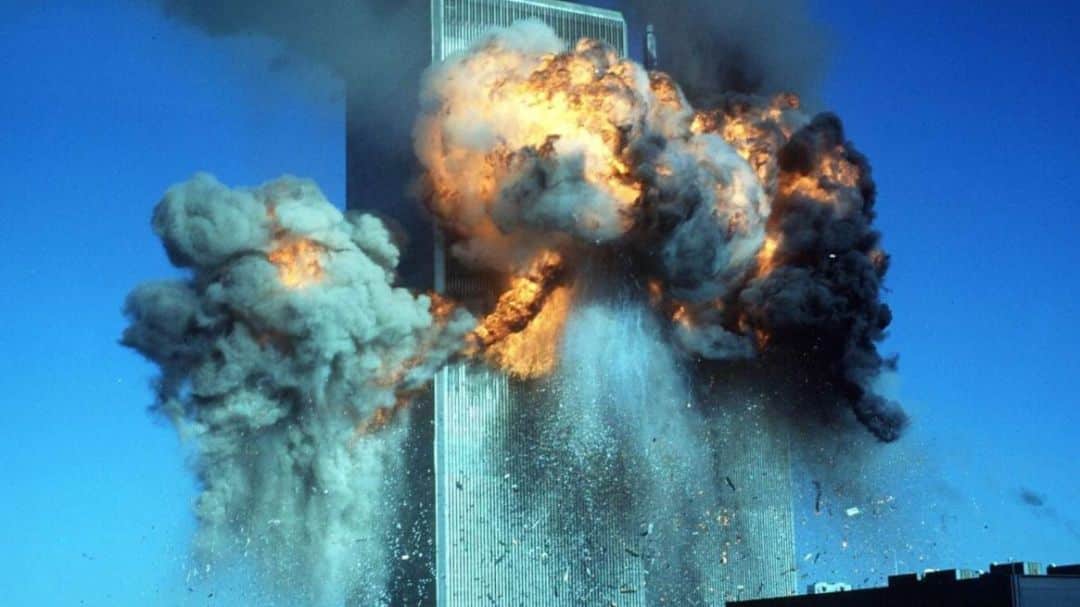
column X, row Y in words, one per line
column 372, row 45
column 284, row 357
column 749, row 224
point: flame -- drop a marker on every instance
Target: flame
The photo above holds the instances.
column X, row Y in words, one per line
column 822, row 184
column 757, row 132
column 299, row 263
column 569, row 105
column 441, row 307
column 656, row 292
column 533, row 351
column 512, row 127
column 666, row 91
column 383, row 416
column 681, row 315
column 766, row 256
column 521, row 335
column 761, row 338
column 522, row 301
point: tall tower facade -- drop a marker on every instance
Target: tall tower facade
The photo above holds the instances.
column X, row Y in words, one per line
column 495, row 541
column 486, row 496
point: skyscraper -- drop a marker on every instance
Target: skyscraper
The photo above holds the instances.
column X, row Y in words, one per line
column 494, row 542
column 499, row 537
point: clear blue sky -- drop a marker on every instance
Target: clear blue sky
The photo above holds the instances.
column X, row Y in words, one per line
column 967, row 111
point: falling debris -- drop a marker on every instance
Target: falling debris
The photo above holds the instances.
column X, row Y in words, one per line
column 853, row 511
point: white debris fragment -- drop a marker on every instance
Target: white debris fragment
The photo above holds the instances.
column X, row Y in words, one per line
column 853, row 511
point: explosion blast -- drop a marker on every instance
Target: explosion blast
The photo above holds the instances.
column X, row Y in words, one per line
column 632, row 235
column 749, row 224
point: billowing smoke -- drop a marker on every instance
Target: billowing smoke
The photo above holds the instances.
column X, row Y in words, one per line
column 640, row 233
column 285, row 355
column 749, row 224
column 379, row 47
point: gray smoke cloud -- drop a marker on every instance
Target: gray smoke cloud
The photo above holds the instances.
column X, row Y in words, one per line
column 283, row 355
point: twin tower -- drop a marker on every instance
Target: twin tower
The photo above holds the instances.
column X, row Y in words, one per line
column 504, row 531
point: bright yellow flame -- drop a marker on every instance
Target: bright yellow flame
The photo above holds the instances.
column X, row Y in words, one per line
column 299, row 263
column 833, row 172
column 566, row 106
column 521, row 335
column 755, row 132
column 766, row 256
column 522, row 301
column 533, row 351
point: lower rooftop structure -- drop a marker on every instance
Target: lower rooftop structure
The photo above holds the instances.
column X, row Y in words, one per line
column 1022, row 584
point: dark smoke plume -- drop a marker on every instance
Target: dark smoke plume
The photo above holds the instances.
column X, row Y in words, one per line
column 824, row 298
column 713, row 48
